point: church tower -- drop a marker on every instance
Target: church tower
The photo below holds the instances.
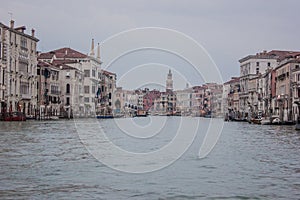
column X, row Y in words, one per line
column 169, row 82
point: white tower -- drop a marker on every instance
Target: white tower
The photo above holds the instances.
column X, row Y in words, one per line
column 92, row 52
column 169, row 82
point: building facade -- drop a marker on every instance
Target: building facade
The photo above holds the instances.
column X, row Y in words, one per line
column 18, row 68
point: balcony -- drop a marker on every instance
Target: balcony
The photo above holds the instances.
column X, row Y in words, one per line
column 55, row 92
column 25, row 96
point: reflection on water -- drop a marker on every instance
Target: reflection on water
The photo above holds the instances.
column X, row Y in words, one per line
column 41, row 160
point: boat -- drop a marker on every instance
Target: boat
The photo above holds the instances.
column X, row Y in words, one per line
column 104, row 116
column 54, row 117
column 207, row 116
column 276, row 121
column 14, row 116
column 255, row 121
column 141, row 113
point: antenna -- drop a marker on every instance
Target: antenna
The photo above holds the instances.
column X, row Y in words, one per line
column 11, row 15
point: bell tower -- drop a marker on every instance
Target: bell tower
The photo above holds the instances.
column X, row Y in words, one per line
column 169, row 81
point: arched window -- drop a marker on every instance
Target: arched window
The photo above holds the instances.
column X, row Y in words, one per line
column 68, row 88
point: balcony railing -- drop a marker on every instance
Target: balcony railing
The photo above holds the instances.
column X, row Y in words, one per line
column 25, row 96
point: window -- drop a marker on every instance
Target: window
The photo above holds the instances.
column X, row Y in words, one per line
column 257, row 64
column 86, row 99
column 54, row 89
column 257, row 70
column 86, row 89
column 24, row 88
column 282, row 89
column 86, row 73
column 93, row 89
column 23, row 42
column 269, row 64
column 68, row 101
column 93, row 73
column 68, row 88
column 296, row 66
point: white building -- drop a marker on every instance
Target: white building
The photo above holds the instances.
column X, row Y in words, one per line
column 184, row 101
column 250, row 67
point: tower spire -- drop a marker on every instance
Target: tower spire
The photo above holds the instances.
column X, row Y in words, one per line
column 98, row 51
column 92, row 52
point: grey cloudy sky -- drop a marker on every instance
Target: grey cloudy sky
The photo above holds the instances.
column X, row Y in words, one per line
column 227, row 29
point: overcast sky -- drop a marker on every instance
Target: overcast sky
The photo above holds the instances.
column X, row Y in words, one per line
column 227, row 29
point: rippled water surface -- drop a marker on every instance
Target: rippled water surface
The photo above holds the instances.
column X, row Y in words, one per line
column 40, row 160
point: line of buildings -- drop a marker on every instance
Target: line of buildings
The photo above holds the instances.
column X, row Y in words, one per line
column 67, row 83
column 268, row 87
column 62, row 82
column 204, row 100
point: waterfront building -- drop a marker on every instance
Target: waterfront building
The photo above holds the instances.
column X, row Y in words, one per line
column 197, row 101
column 18, row 64
column 149, row 98
column 295, row 85
column 165, row 104
column 71, row 87
column 105, row 93
column 268, row 92
column 231, row 91
column 96, row 86
column 287, row 88
column 250, row 67
column 213, row 99
column 60, row 89
column 184, row 101
column 265, row 81
column 119, row 101
column 49, row 90
column 125, row 101
column 254, row 91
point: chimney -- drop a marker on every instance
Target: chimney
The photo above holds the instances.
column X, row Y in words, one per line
column 92, row 53
column 12, row 24
column 98, row 51
column 32, row 32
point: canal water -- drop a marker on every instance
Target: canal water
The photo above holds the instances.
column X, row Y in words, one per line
column 47, row 160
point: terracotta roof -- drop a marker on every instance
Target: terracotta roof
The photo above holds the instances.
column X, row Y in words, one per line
column 108, row 73
column 281, row 55
column 68, row 53
column 63, row 53
column 46, row 55
column 234, row 80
